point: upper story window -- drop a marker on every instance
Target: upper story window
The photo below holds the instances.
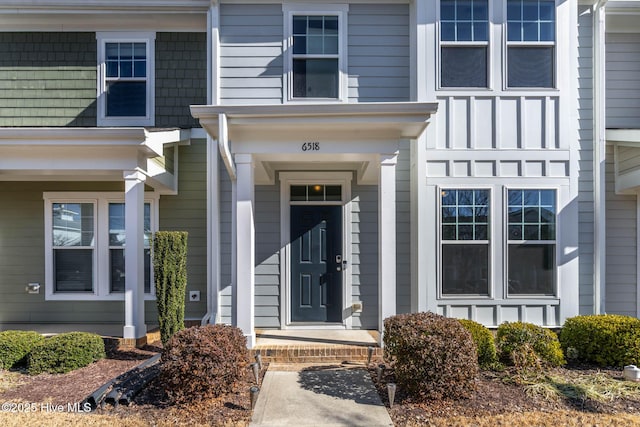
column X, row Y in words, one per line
column 316, row 52
column 126, row 79
column 464, row 41
column 531, row 38
column 465, row 216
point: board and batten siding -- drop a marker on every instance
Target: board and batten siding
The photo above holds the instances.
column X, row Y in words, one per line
column 364, row 254
column 251, row 53
column 187, row 211
column 267, row 263
column 378, row 52
column 585, row 163
column 623, row 80
column 48, row 79
column 22, row 255
column 622, row 251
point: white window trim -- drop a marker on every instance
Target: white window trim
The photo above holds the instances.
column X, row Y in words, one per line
column 490, row 291
column 505, row 53
column 101, row 267
column 119, row 37
column 287, row 179
column 289, row 10
column 505, row 252
column 442, row 44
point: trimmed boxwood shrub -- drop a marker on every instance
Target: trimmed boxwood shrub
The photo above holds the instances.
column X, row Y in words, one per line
column 485, row 343
column 15, row 346
column 170, row 276
column 432, row 356
column 526, row 345
column 203, row 361
column 66, row 352
column 603, row 339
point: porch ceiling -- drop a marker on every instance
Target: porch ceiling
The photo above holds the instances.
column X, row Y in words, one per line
column 100, row 154
column 626, row 156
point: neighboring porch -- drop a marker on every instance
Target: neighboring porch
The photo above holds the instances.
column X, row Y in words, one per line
column 312, row 157
column 66, row 194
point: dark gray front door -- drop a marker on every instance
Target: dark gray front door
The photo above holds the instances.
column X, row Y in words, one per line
column 316, row 263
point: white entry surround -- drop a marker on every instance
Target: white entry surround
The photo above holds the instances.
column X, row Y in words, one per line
column 258, row 142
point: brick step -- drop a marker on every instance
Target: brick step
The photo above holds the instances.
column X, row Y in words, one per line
column 315, row 353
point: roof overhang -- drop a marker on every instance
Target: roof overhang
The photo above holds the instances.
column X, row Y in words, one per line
column 361, row 121
column 95, row 15
column 626, row 157
column 88, row 154
column 351, row 136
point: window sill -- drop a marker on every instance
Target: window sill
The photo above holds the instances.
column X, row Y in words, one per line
column 91, row 297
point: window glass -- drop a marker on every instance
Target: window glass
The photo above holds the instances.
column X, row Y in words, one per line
column 117, row 244
column 315, row 193
column 315, row 56
column 126, row 82
column 465, row 241
column 73, row 241
column 531, row 246
column 530, row 43
column 464, row 35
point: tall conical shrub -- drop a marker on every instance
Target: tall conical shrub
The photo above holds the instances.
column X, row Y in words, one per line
column 170, row 276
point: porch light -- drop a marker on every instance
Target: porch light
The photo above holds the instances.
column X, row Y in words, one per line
column 391, row 390
column 253, row 393
column 256, row 372
column 380, row 371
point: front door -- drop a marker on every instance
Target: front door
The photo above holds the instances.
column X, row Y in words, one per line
column 316, row 263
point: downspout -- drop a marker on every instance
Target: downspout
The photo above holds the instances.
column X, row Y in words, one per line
column 213, row 184
column 599, row 147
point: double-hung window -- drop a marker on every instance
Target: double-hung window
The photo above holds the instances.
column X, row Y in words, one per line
column 465, row 240
column 126, row 79
column 85, row 245
column 464, row 42
column 531, row 34
column 316, row 57
column 531, row 268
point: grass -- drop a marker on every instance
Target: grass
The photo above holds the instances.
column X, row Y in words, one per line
column 9, row 380
column 538, row 419
column 573, row 385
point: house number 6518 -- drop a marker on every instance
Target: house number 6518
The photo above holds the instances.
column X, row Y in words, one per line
column 310, row 146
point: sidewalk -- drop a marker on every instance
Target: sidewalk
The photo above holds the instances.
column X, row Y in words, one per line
column 332, row 395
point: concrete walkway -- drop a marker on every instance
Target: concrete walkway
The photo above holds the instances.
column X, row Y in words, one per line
column 318, row 396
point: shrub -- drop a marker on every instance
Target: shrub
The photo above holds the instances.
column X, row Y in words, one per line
column 66, row 352
column 432, row 356
column 485, row 343
column 526, row 345
column 170, row 275
column 604, row 339
column 15, row 346
column 203, row 361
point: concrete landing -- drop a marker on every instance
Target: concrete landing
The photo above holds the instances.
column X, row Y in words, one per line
column 332, row 395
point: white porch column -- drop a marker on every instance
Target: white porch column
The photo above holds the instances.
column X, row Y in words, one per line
column 245, row 247
column 386, row 239
column 134, row 326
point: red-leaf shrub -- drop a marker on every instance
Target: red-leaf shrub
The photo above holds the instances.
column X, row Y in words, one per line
column 433, row 357
column 203, row 361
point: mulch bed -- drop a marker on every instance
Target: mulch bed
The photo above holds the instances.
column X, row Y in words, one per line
column 496, row 396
